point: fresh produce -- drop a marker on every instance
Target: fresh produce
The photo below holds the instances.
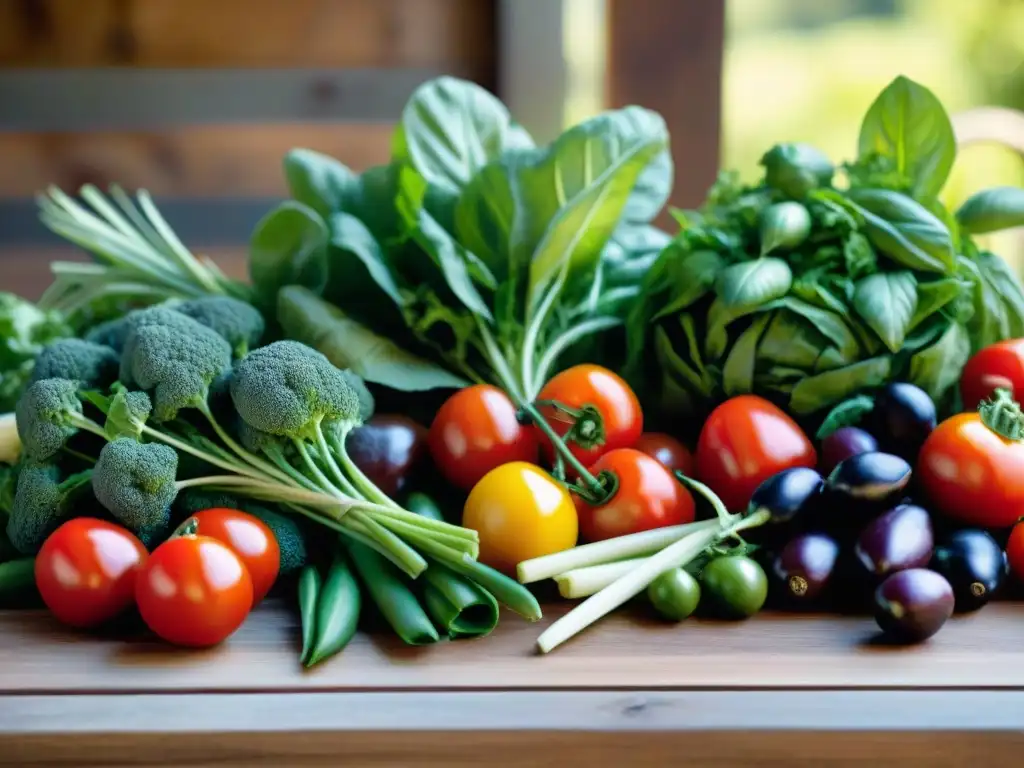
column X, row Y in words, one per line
column 842, row 444
column 87, row 569
column 997, row 366
column 873, row 481
column 805, row 567
column 193, row 591
column 745, row 441
column 735, row 585
column 17, row 577
column 593, row 410
column 814, row 293
column 973, row 564
column 972, row 465
column 912, row 605
column 25, row 330
column 902, row 418
column 520, row 512
column 674, row 595
column 789, row 493
column 669, row 451
column 895, row 541
column 643, row 495
column 330, row 610
column 248, row 537
column 42, row 502
column 477, row 430
column 388, row 449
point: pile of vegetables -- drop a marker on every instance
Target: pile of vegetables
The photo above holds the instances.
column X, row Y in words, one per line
column 843, row 358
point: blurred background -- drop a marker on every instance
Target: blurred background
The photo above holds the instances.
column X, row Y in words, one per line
column 198, row 100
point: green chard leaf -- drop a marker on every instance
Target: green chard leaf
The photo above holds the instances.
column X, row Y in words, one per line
column 908, row 125
column 750, row 283
column 937, row 368
column 825, row 389
column 288, row 247
column 319, row 182
column 905, row 231
column 992, row 210
column 887, row 302
column 848, row 413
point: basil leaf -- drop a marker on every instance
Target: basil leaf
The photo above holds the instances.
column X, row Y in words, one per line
column 817, row 294
column 451, row 128
column 750, row 283
column 672, row 363
column 348, row 344
column 934, row 295
column 790, row 341
column 887, row 302
column 784, row 225
column 288, row 247
column 719, row 318
column 1005, row 282
column 848, row 413
column 691, row 275
column 908, row 125
column 816, row 392
column 992, row 210
column 349, row 236
column 319, row 181
column 830, row 324
column 905, row 231
column 937, row 368
column 796, row 169
column 738, row 371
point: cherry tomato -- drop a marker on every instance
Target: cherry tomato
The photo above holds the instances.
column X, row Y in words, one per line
column 520, row 512
column 194, row 591
column 1015, row 551
column 646, row 496
column 997, row 366
column 86, row 571
column 388, row 449
column 622, row 421
column 666, row 449
column 971, row 473
column 475, row 431
column 248, row 537
column 745, row 441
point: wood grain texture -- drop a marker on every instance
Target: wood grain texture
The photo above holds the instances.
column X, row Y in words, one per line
column 203, row 161
column 623, row 651
column 248, row 33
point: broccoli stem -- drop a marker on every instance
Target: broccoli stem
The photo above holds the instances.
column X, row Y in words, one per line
column 86, row 424
column 332, row 466
column 270, row 491
column 277, row 457
column 407, row 558
column 200, row 454
column 324, row 482
column 246, row 456
column 361, row 481
column 417, row 534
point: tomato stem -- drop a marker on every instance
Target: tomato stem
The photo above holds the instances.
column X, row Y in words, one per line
column 587, row 427
column 593, row 485
column 1002, row 414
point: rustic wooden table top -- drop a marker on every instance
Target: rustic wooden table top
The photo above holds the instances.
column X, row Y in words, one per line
column 775, row 690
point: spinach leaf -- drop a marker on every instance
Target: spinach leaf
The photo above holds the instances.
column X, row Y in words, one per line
column 830, row 324
column 690, row 276
column 305, row 317
column 933, row 295
column 908, row 125
column 790, row 341
column 719, row 318
column 351, row 238
column 288, row 247
column 887, row 302
column 816, row 392
column 848, row 413
column 992, row 210
column 738, row 371
column 784, row 225
column 796, row 169
column 937, row 368
column 673, row 364
column 319, row 182
column 651, row 191
column 905, row 231
column 750, row 283
column 451, row 128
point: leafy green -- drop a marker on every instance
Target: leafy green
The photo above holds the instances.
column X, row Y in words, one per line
column 288, row 247
column 796, row 169
column 904, row 230
column 750, row 283
column 991, row 210
column 24, row 330
column 887, row 302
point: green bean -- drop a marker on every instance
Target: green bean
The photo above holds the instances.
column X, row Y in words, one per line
column 309, row 594
column 337, row 612
column 423, row 505
column 388, row 587
column 456, row 604
column 17, row 576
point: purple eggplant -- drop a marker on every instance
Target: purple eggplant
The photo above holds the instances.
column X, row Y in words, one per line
column 787, row 494
column 804, row 568
column 842, row 444
column 975, row 566
column 912, row 605
column 870, row 480
column 903, row 417
column 901, row 538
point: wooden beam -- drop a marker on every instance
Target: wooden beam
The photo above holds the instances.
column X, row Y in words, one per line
column 667, row 55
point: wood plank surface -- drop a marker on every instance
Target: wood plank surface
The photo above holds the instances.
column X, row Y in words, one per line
column 980, row 651
column 248, row 33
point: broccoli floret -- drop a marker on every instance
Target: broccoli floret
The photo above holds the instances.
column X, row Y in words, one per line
column 178, row 362
column 193, row 500
column 128, row 413
column 288, row 389
column 91, row 365
column 239, row 323
column 42, row 502
column 135, row 482
column 48, row 414
column 110, row 333
column 115, row 333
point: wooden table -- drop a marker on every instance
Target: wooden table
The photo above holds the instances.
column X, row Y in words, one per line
column 776, row 690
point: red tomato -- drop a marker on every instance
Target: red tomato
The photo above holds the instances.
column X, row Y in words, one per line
column 475, row 431
column 86, row 571
column 194, row 591
column 745, row 441
column 597, row 387
column 1015, row 551
column 646, row 496
column 973, row 474
column 249, row 538
column 666, row 449
column 997, row 366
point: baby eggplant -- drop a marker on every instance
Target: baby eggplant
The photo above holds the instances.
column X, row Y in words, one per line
column 842, row 444
column 974, row 565
column 912, row 605
column 901, row 538
column 787, row 494
column 874, row 480
column 903, row 417
column 804, row 567
column 388, row 448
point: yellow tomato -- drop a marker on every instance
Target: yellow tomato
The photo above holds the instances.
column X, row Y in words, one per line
column 520, row 512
